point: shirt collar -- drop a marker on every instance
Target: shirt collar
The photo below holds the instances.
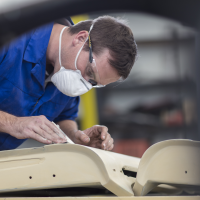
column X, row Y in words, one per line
column 37, row 46
column 36, row 52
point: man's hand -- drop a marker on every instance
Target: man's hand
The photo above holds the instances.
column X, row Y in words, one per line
column 96, row 136
column 38, row 128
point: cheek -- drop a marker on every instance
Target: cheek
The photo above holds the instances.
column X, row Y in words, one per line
column 86, row 78
column 82, row 63
column 85, row 75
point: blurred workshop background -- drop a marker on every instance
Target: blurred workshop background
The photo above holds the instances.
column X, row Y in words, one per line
column 157, row 101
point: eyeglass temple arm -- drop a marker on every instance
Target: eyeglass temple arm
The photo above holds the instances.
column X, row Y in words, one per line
column 90, row 50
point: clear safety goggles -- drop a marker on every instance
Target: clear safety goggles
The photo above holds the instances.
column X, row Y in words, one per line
column 94, row 67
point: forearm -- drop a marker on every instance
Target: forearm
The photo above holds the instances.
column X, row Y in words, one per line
column 6, row 122
column 69, row 127
column 36, row 127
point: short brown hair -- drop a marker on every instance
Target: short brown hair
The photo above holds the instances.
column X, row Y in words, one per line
column 113, row 34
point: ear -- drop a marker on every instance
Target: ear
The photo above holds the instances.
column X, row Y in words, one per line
column 80, row 38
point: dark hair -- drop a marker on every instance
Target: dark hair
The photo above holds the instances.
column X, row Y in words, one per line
column 113, row 34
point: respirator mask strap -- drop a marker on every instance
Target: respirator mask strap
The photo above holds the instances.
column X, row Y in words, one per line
column 60, row 39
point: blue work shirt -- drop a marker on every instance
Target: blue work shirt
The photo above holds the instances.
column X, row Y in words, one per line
column 22, row 83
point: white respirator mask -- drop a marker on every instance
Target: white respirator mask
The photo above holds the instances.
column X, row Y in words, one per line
column 70, row 82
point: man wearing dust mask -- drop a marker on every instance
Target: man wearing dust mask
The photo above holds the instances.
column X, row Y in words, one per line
column 43, row 72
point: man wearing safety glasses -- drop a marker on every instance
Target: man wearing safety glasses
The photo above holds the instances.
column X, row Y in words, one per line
column 43, row 73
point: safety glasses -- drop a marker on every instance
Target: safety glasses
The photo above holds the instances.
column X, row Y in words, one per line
column 94, row 67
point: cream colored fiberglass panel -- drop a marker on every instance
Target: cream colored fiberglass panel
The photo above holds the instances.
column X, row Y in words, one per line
column 109, row 198
column 172, row 162
column 175, row 163
column 65, row 165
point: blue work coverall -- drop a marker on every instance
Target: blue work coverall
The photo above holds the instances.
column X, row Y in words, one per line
column 22, row 83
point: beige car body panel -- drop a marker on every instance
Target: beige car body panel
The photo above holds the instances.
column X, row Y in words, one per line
column 172, row 162
column 109, row 198
column 54, row 166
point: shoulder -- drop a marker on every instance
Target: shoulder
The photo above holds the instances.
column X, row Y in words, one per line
column 24, row 39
